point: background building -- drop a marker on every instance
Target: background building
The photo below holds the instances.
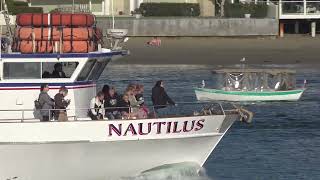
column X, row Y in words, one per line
column 104, row 7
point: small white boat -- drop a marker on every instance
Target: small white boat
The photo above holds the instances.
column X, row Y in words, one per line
column 253, row 85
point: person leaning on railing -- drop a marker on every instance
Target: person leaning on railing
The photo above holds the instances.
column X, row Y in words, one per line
column 61, row 104
column 160, row 98
column 96, row 111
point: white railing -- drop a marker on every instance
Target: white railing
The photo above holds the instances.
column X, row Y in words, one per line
column 181, row 110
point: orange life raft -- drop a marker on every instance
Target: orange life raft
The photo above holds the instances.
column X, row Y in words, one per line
column 49, row 46
column 56, row 19
column 54, row 33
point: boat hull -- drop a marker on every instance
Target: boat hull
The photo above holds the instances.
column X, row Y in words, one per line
column 204, row 94
column 86, row 154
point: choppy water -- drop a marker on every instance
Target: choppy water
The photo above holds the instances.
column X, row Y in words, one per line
column 283, row 142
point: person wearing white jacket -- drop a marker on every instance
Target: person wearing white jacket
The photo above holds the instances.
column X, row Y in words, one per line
column 97, row 111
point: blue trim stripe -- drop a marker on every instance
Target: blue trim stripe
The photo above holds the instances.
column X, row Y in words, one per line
column 50, row 84
column 66, row 55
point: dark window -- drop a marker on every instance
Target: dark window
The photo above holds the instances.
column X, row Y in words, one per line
column 66, row 69
column 22, row 70
column 98, row 69
column 86, row 70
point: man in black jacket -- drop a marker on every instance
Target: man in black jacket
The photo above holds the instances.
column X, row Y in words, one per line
column 160, row 98
column 58, row 72
column 111, row 103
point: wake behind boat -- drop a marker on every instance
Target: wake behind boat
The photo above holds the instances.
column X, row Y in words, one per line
column 252, row 85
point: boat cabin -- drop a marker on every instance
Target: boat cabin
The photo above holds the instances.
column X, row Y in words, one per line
column 256, row 79
column 22, row 75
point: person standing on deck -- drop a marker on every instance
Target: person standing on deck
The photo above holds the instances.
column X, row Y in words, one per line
column 160, row 98
column 46, row 102
column 61, row 104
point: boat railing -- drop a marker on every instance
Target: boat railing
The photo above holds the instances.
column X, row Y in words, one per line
column 183, row 109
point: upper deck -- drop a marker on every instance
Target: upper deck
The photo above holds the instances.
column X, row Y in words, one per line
column 104, row 54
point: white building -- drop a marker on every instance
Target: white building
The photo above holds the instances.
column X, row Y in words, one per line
column 97, row 7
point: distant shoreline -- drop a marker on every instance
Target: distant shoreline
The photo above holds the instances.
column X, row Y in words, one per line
column 225, row 51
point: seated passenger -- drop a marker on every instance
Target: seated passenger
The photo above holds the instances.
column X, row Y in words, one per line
column 112, row 101
column 131, row 92
column 125, row 107
column 96, row 110
column 58, row 72
column 143, row 110
column 139, row 94
column 105, row 90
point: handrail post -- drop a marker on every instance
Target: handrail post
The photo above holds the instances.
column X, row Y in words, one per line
column 22, row 116
column 222, row 109
column 304, row 7
column 49, row 114
column 280, row 9
column 154, row 112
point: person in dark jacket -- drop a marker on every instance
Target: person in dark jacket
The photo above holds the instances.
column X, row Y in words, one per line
column 58, row 72
column 105, row 90
column 112, row 101
column 46, row 103
column 160, row 98
column 61, row 104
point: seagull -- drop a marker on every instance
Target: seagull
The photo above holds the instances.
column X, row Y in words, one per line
column 243, row 59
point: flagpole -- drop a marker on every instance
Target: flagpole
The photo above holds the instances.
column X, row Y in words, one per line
column 1, row 32
column 72, row 6
column 112, row 9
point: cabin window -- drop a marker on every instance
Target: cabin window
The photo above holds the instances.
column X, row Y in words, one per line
column 98, row 69
column 58, row 70
column 86, row 70
column 22, row 70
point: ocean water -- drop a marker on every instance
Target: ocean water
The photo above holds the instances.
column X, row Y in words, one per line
column 283, row 142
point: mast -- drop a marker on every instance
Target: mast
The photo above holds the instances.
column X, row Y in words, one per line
column 112, row 9
column 72, row 6
column 1, row 34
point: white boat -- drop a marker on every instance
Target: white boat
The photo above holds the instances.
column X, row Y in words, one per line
column 83, row 149
column 253, row 85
